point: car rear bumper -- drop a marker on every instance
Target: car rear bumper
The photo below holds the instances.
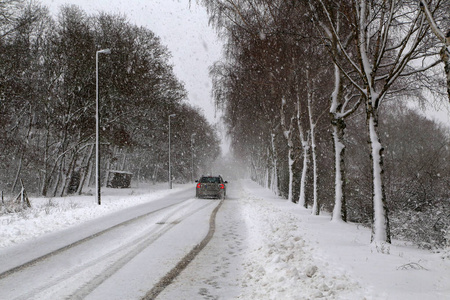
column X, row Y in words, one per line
column 215, row 194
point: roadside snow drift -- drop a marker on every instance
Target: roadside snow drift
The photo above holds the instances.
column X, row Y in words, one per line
column 297, row 255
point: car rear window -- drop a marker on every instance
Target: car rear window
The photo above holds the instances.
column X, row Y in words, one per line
column 210, row 180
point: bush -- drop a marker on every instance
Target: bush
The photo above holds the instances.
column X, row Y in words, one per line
column 428, row 229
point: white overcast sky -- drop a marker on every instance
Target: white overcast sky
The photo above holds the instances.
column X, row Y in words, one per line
column 182, row 28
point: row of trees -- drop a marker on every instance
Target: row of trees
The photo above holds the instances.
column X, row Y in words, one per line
column 300, row 71
column 47, row 102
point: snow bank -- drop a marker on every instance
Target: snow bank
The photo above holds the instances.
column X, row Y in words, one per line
column 296, row 255
column 282, row 264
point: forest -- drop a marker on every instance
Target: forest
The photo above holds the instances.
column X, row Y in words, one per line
column 48, row 103
column 323, row 101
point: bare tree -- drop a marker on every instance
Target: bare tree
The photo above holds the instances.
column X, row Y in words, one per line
column 443, row 38
column 390, row 38
column 343, row 101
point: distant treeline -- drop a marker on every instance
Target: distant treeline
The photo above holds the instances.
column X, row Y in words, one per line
column 48, row 102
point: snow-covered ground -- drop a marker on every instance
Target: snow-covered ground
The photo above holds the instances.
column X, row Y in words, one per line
column 300, row 256
column 264, row 248
column 53, row 214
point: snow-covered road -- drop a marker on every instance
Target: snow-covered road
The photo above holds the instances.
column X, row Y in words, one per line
column 118, row 256
column 263, row 247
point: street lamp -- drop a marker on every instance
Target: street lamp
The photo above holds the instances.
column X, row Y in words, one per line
column 97, row 127
column 170, row 170
column 192, row 156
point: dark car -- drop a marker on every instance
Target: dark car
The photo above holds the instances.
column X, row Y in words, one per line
column 211, row 187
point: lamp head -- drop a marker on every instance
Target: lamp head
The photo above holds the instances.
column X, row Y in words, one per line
column 105, row 51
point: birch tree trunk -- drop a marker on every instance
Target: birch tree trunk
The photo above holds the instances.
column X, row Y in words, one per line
column 290, row 143
column 338, row 127
column 339, row 210
column 304, row 140
column 291, row 174
column 274, row 180
column 312, row 126
column 315, row 209
column 267, row 172
column 305, row 147
column 302, row 196
column 445, row 53
column 380, row 224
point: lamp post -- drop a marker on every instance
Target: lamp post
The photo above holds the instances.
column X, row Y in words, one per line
column 192, row 156
column 170, row 169
column 97, row 128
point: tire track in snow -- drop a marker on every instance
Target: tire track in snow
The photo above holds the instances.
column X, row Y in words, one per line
column 117, row 257
column 136, row 248
column 182, row 264
column 79, row 242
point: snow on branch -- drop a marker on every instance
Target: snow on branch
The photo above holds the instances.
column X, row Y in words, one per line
column 439, row 34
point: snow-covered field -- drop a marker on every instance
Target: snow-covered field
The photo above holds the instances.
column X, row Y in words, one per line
column 264, row 248
column 53, row 214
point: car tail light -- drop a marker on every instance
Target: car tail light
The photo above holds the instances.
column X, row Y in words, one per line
column 222, row 186
column 199, row 185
